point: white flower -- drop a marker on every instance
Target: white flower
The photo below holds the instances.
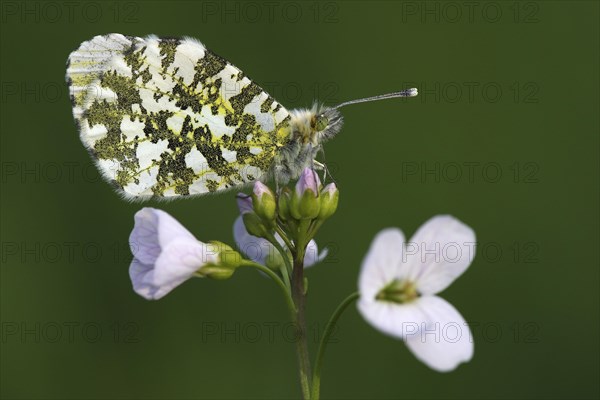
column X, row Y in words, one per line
column 398, row 284
column 165, row 254
column 260, row 250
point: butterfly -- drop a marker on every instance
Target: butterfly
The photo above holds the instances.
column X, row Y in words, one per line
column 166, row 117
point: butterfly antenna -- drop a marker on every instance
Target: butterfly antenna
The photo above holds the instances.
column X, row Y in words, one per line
column 404, row 93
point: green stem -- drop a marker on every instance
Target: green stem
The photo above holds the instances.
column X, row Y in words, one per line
column 287, row 268
column 299, row 299
column 277, row 279
column 316, row 379
column 283, row 235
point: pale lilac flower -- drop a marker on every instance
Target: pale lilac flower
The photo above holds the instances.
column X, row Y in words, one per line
column 398, row 284
column 165, row 254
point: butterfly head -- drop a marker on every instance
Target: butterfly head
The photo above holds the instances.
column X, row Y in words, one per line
column 325, row 124
column 316, row 125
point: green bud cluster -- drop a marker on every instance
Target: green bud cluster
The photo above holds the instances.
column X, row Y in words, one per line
column 294, row 213
column 308, row 204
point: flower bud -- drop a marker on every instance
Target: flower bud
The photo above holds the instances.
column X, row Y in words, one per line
column 305, row 199
column 284, row 203
column 309, row 180
column 263, row 202
column 274, row 260
column 227, row 261
column 255, row 225
column 218, row 272
column 330, row 196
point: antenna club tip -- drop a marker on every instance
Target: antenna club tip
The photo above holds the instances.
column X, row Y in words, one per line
column 412, row 92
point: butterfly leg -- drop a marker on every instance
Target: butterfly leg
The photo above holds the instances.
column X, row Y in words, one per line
column 318, row 166
column 326, row 173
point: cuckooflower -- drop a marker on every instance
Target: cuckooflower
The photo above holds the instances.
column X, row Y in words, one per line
column 398, row 284
column 165, row 254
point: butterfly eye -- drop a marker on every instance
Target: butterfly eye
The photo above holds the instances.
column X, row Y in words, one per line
column 321, row 123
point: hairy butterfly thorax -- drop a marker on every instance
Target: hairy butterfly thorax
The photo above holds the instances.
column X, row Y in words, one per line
column 309, row 128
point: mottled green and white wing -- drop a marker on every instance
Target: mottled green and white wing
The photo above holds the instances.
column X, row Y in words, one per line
column 167, row 117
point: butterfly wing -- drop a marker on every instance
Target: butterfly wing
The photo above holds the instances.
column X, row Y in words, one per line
column 167, row 117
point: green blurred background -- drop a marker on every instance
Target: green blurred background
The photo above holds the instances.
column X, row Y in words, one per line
column 504, row 136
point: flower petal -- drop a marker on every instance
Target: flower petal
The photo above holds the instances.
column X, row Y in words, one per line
column 312, row 255
column 141, row 278
column 178, row 262
column 396, row 320
column 439, row 252
column 381, row 264
column 137, row 273
column 255, row 248
column 181, row 259
column 153, row 229
column 445, row 340
column 244, row 203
